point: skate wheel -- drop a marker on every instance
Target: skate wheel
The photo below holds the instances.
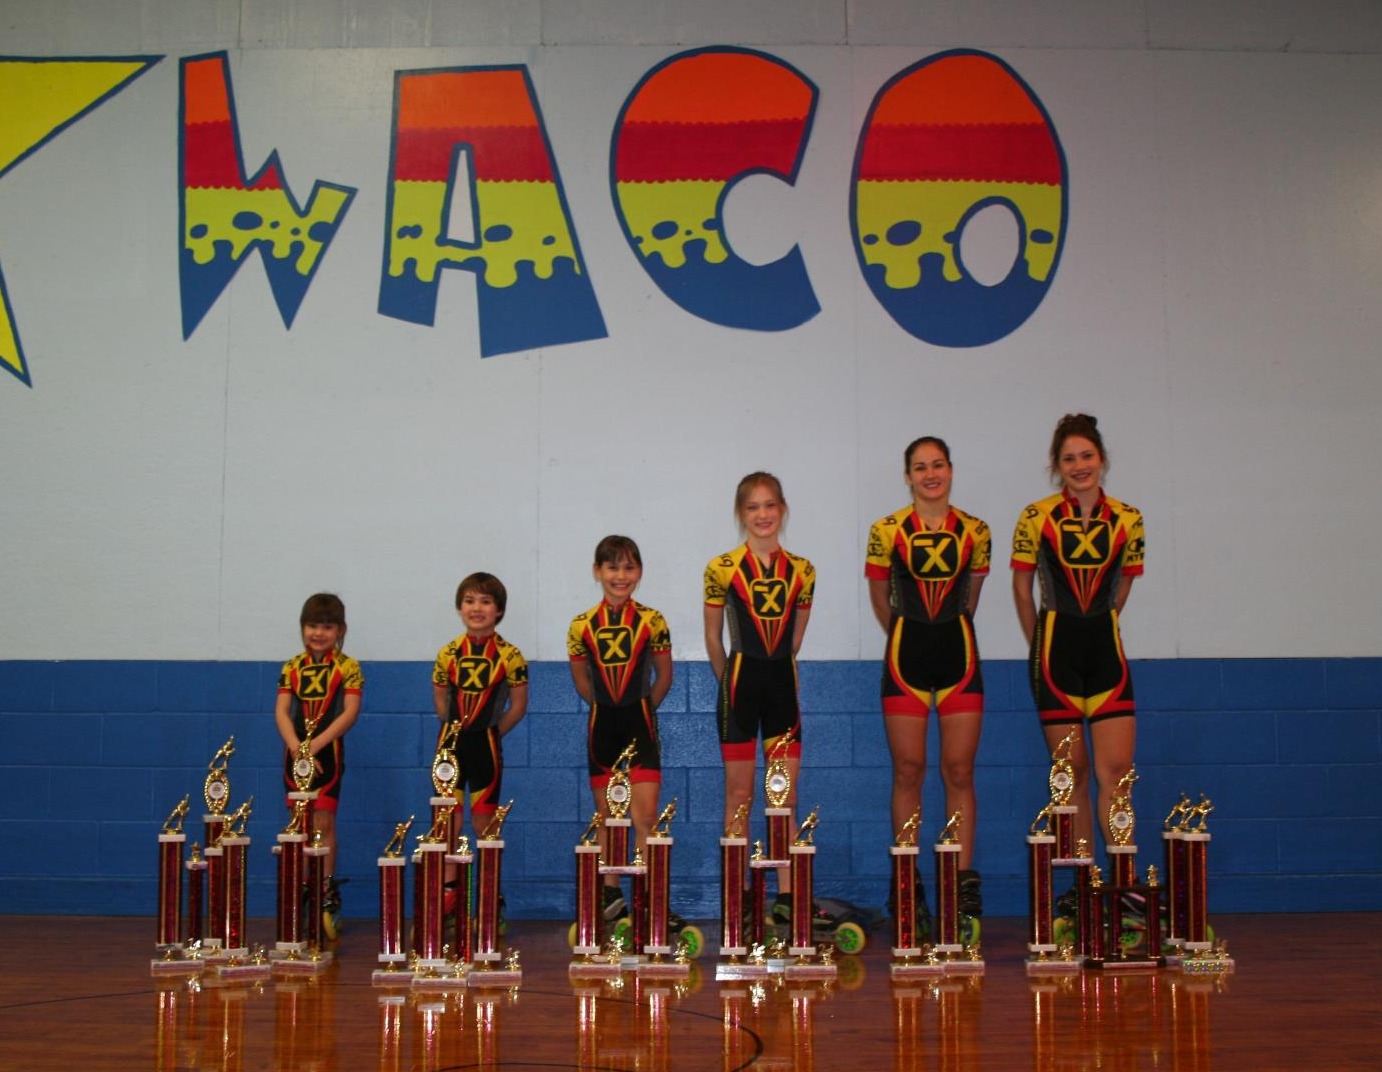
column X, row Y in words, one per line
column 331, row 926
column 850, row 937
column 623, row 930
column 571, row 935
column 1062, row 930
column 692, row 940
column 969, row 930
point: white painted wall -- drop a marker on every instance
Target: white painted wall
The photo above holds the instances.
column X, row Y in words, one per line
column 1216, row 305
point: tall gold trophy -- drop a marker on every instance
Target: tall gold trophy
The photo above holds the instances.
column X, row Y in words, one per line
column 235, row 960
column 957, row 956
column 492, row 967
column 658, row 882
column 812, row 962
column 392, row 953
column 429, row 860
column 1042, row 948
column 777, row 791
column 589, row 960
column 172, row 954
column 216, row 795
column 734, row 862
column 289, row 944
column 908, row 944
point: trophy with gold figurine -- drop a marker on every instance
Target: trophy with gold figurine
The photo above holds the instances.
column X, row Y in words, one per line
column 392, row 954
column 169, row 944
column 429, row 863
column 291, row 840
column 1042, row 947
column 1120, row 936
column 216, row 795
column 657, row 881
column 618, row 842
column 909, row 944
column 810, row 962
column 493, row 967
column 777, row 791
column 1061, row 782
column 590, row 960
column 446, row 772
column 1057, row 822
column 959, row 952
column 235, row 960
column 734, row 862
column 1202, row 952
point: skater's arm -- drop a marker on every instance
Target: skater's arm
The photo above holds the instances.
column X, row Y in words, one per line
column 518, row 707
column 1026, row 605
column 441, row 700
column 580, row 677
column 715, row 639
column 976, row 585
column 350, row 711
column 662, row 667
column 1120, row 597
column 879, row 592
column 283, row 718
column 799, row 629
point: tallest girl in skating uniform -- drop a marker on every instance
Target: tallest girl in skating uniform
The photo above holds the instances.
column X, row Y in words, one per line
column 1084, row 548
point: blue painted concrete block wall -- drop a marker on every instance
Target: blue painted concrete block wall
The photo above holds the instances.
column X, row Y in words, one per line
column 93, row 756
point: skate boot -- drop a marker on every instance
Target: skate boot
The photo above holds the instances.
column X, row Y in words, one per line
column 971, row 905
column 826, row 929
column 617, row 919
column 331, row 908
column 1067, row 911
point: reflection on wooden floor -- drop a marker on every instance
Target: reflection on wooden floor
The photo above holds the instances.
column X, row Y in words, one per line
column 78, row 994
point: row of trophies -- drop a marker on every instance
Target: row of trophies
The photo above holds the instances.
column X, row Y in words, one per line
column 212, row 934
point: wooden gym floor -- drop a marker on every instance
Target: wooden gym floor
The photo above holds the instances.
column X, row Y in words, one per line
column 77, row 993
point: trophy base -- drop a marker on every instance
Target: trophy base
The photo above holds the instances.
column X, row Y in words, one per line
column 1207, row 964
column 666, row 969
column 455, row 976
column 308, row 962
column 908, row 968
column 247, row 971
column 964, row 965
column 594, row 966
column 482, row 975
column 176, row 965
column 735, row 968
column 1126, row 965
column 805, row 968
column 391, row 975
column 622, row 869
column 1047, row 960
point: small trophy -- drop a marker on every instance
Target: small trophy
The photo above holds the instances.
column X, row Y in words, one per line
column 618, row 798
column 734, row 860
column 810, row 964
column 493, row 967
column 304, row 773
column 446, row 772
column 292, row 870
column 956, row 956
column 392, row 954
column 1174, row 864
column 590, row 960
column 1041, row 943
column 236, row 962
column 657, row 881
column 1122, row 823
column 168, row 944
column 1202, row 953
column 907, row 943
column 429, row 862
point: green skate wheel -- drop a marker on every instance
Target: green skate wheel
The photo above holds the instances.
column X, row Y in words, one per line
column 850, row 938
column 331, row 926
column 571, row 935
column 623, row 930
column 1062, row 930
column 692, row 940
column 969, row 930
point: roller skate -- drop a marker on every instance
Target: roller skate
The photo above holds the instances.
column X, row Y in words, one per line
column 686, row 937
column 971, row 905
column 1065, row 922
column 847, row 937
column 331, row 908
column 616, row 914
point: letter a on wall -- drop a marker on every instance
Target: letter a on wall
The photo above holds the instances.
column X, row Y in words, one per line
column 532, row 286
column 39, row 98
column 693, row 127
column 226, row 213
column 945, row 139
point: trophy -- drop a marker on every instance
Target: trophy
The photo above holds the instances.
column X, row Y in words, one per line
column 618, row 798
column 1202, row 952
column 292, row 841
column 234, row 846
column 1121, row 825
column 493, row 968
column 1061, row 782
column 428, row 876
column 170, row 867
column 216, row 794
column 1041, row 942
column 907, row 943
column 196, row 897
column 955, row 954
column 1174, row 863
column 590, row 961
column 657, row 881
column 777, row 790
column 734, row 859
column 446, row 772
column 810, row 964
column 391, row 867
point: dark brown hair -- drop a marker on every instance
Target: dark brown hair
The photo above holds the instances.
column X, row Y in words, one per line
column 1075, row 424
column 324, row 608
column 935, row 441
column 485, row 584
column 614, row 548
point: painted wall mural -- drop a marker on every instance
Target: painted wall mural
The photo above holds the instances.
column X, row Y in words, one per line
column 40, row 98
column 227, row 213
column 947, row 138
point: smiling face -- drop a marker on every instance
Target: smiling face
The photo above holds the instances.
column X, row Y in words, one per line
column 761, row 513
column 479, row 612
column 1080, row 465
column 928, row 475
column 618, row 577
column 321, row 639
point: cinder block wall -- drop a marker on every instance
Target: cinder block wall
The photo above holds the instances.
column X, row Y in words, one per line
column 93, row 755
